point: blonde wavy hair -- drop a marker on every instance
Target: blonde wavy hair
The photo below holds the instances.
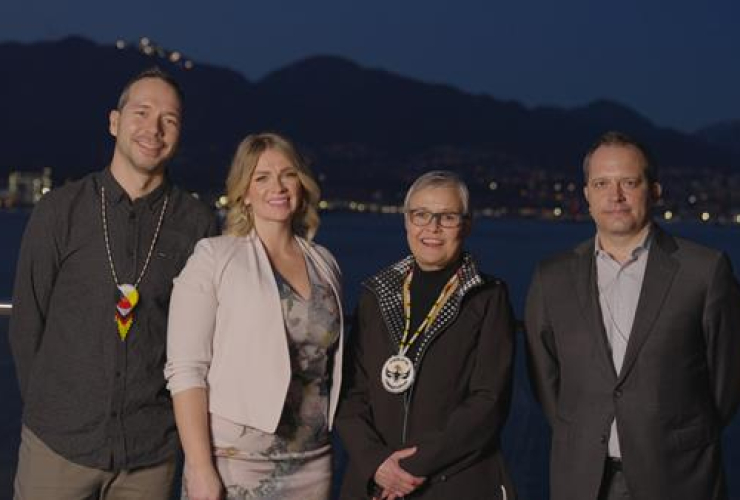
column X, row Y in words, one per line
column 239, row 217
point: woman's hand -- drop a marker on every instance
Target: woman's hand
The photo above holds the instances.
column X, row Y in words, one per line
column 395, row 481
column 203, row 483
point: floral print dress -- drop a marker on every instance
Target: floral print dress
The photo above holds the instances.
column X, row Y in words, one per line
column 295, row 462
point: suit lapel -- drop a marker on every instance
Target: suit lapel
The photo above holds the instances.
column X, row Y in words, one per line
column 584, row 273
column 659, row 273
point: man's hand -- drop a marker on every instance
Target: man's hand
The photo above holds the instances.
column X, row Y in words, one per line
column 395, row 481
column 203, row 483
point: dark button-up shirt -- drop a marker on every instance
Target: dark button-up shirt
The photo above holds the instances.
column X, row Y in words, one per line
column 91, row 397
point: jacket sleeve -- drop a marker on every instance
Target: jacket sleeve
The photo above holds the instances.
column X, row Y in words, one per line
column 191, row 322
column 354, row 421
column 478, row 420
column 542, row 357
column 722, row 335
column 36, row 272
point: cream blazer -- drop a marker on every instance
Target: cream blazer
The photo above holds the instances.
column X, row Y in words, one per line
column 226, row 332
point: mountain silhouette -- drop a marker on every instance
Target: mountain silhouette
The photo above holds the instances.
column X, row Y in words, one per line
column 363, row 129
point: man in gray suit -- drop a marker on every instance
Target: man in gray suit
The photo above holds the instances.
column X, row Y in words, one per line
column 634, row 346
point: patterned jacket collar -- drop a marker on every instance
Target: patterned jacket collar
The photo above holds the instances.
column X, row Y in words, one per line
column 387, row 286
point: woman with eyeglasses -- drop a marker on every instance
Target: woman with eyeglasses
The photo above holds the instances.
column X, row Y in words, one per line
column 427, row 380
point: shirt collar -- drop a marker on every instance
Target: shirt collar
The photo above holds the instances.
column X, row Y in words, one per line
column 642, row 247
column 115, row 194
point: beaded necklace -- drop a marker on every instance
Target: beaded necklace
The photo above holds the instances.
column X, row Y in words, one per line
column 128, row 293
column 398, row 371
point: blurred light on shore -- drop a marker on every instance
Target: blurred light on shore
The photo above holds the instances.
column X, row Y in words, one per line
column 557, row 211
column 493, row 185
column 668, row 215
column 323, row 204
column 705, row 216
column 120, row 44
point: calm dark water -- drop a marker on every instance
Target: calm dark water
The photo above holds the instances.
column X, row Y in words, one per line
column 508, row 249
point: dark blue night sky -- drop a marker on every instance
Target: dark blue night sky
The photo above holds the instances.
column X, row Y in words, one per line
column 675, row 62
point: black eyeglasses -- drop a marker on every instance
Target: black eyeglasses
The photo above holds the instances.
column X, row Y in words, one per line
column 421, row 217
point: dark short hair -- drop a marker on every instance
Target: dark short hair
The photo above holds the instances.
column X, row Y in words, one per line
column 153, row 72
column 615, row 138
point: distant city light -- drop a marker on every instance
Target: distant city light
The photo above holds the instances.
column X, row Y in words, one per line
column 493, row 185
column 557, row 186
column 195, row 195
column 222, row 201
column 175, row 56
column 323, row 204
column 668, row 215
column 737, row 219
column 145, row 41
column 571, row 187
column 188, row 64
column 692, row 199
column 557, row 211
column 148, row 50
column 120, row 44
column 45, row 190
column 705, row 216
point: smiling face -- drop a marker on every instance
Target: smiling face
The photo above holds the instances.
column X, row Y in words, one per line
column 434, row 246
column 274, row 192
column 618, row 192
column 146, row 128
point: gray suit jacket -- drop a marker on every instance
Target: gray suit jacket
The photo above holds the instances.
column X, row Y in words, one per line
column 679, row 385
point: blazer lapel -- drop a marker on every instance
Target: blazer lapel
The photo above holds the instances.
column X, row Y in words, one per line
column 659, row 273
column 584, row 273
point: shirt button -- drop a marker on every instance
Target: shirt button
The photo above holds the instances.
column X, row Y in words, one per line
column 602, row 439
column 618, row 393
column 443, row 478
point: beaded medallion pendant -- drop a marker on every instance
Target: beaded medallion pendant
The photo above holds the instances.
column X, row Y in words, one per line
column 129, row 297
column 128, row 294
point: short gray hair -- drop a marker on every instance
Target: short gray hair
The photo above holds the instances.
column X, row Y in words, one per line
column 440, row 178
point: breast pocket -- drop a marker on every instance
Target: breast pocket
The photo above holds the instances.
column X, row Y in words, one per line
column 164, row 266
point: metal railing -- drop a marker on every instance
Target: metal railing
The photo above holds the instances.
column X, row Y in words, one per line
column 6, row 309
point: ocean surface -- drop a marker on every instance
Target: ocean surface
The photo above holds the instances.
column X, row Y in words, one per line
column 364, row 243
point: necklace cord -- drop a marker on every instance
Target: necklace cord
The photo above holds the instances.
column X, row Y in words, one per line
column 107, row 239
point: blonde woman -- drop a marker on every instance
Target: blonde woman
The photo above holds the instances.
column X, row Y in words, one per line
column 255, row 327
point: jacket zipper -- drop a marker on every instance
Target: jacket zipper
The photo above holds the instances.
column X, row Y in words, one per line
column 407, row 400
column 409, row 395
